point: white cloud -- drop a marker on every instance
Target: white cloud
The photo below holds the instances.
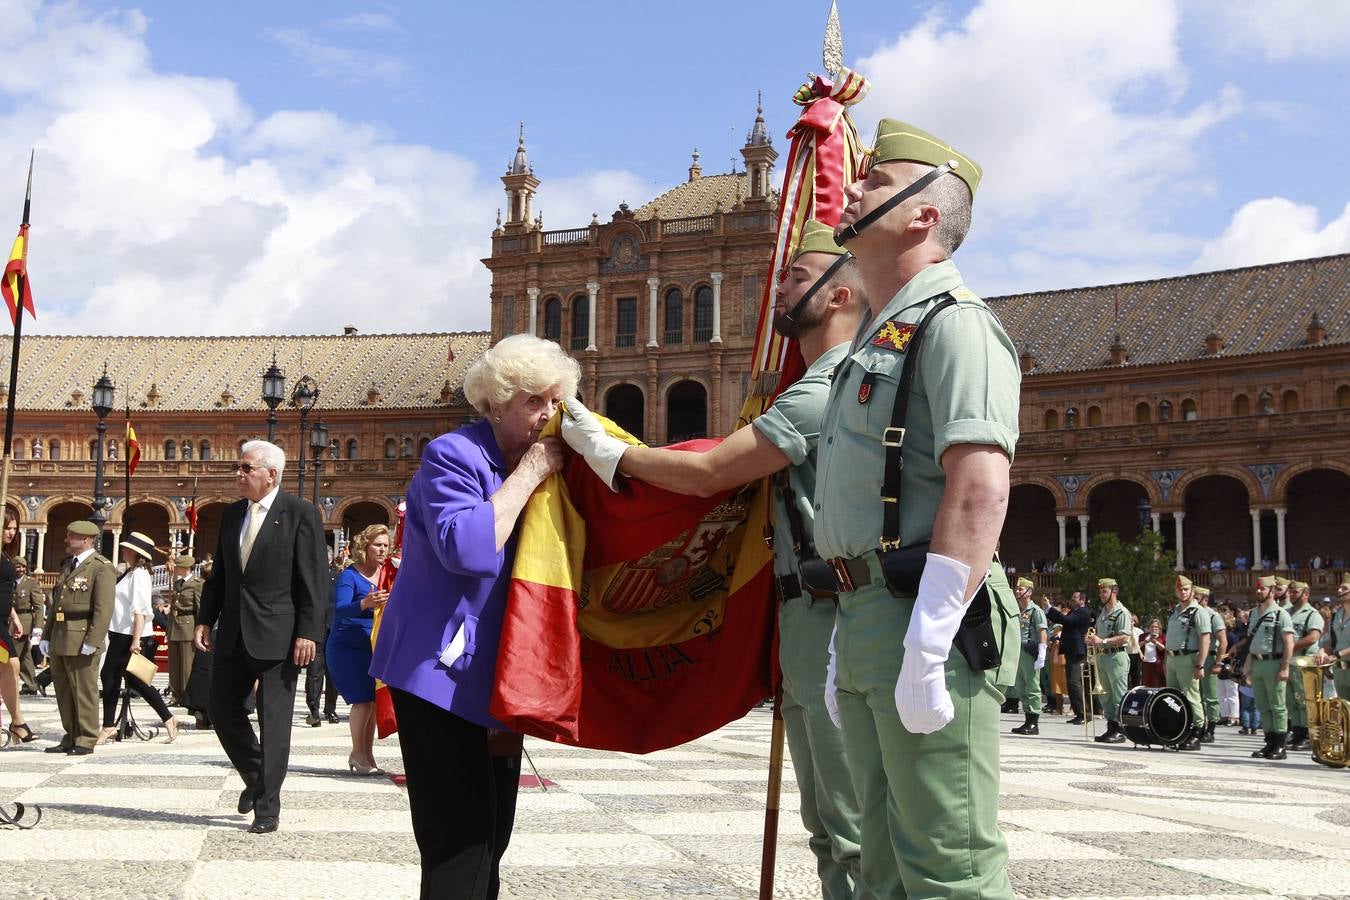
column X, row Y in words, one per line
column 1274, row 229
column 1287, row 30
column 366, row 21
column 347, row 65
column 1077, row 114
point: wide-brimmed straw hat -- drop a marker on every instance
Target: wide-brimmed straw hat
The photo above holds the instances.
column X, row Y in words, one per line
column 139, row 543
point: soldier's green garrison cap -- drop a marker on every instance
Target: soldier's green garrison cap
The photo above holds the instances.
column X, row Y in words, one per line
column 898, row 140
column 817, row 237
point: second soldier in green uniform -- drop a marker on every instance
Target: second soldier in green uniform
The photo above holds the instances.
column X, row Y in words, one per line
column 1307, row 622
column 1032, row 660
column 1112, row 643
column 1218, row 649
column 1270, row 634
column 1335, row 645
column 183, row 608
column 1187, row 648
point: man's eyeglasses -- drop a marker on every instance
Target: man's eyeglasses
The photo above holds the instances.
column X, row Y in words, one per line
column 245, row 468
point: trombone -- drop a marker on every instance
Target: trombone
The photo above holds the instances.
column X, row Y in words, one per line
column 1090, row 686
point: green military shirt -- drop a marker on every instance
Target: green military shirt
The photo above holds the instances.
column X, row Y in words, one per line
column 965, row 392
column 1305, row 620
column 1267, row 628
column 1115, row 623
column 1185, row 626
column 1211, row 624
column 30, row 600
column 1337, row 637
column 792, row 424
column 1033, row 620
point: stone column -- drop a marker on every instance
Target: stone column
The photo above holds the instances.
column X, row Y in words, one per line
column 1063, row 537
column 652, row 284
column 117, row 543
column 1282, row 562
column 42, row 546
column 533, row 295
column 1082, row 532
column 592, row 288
column 717, row 307
column 1256, row 539
column 1178, row 518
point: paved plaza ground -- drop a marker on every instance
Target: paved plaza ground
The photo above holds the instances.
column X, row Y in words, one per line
column 1082, row 820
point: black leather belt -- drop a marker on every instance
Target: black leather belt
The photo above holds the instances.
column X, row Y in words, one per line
column 61, row 615
column 1265, row 656
column 1182, row 652
column 1110, row 649
column 848, row 573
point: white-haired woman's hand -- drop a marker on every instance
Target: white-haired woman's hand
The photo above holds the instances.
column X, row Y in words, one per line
column 584, row 434
column 544, row 457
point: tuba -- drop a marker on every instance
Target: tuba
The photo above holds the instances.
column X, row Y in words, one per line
column 1328, row 718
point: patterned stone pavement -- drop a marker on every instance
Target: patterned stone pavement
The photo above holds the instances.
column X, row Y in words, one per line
column 1082, row 820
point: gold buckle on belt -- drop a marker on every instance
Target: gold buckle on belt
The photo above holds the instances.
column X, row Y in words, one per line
column 841, row 575
column 60, row 615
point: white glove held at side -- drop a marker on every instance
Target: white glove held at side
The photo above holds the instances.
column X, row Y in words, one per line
column 1040, row 658
column 583, row 433
column 831, row 698
column 921, row 695
column 36, row 635
column 45, row 647
column 86, row 650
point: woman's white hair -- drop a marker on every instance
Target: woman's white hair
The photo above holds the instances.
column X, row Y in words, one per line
column 520, row 362
column 273, row 457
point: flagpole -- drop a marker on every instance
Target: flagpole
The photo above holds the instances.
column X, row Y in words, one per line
column 22, row 286
column 126, row 510
column 772, row 802
column 192, row 525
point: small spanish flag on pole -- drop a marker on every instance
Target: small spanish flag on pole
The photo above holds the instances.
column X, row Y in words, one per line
column 133, row 447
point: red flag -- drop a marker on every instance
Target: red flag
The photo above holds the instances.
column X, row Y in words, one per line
column 191, row 514
column 133, row 448
column 385, row 722
column 16, row 270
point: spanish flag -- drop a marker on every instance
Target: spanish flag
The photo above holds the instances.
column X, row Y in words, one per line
column 133, row 448
column 16, row 272
column 639, row 620
column 386, row 723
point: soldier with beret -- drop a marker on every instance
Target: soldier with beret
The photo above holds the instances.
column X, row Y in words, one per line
column 1270, row 637
column 1032, row 660
column 82, row 609
column 1308, row 625
column 30, row 602
column 1114, row 629
column 185, row 601
column 1218, row 649
column 1187, row 650
column 912, row 487
column 1334, row 647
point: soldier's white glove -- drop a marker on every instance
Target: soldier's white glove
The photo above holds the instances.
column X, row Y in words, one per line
column 35, row 636
column 86, row 650
column 831, row 697
column 583, row 433
column 45, row 647
column 921, row 695
column 1040, row 658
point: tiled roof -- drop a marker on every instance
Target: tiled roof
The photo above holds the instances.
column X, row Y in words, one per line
column 699, row 197
column 1255, row 309
column 192, row 373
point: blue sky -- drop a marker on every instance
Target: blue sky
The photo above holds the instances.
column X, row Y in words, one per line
column 294, row 167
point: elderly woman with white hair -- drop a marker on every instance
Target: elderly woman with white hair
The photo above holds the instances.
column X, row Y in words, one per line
column 437, row 648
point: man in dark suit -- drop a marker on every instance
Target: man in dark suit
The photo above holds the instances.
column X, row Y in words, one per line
column 1073, row 647
column 265, row 597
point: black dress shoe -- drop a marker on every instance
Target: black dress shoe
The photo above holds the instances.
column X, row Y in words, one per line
column 313, row 721
column 1076, row 720
column 263, row 825
column 333, row 718
column 26, row 691
column 245, row 801
column 59, row 748
column 80, row 751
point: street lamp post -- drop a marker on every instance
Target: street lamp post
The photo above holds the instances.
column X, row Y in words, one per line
column 274, row 392
column 103, row 404
column 303, row 398
column 318, row 442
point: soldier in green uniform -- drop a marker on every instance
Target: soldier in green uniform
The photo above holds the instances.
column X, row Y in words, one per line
column 1032, row 660
column 82, row 607
column 1187, row 649
column 1282, row 592
column 185, row 600
column 819, row 303
column 1218, row 649
column 1308, row 625
column 1335, row 645
column 30, row 602
column 1112, row 640
column 930, row 493
column 1270, row 635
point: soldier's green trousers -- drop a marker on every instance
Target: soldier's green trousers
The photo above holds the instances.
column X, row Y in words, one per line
column 1293, row 698
column 1209, row 694
column 829, row 810
column 1181, row 675
column 1270, row 694
column 1341, row 678
column 1028, row 687
column 929, row 802
column 1113, row 671
column 75, row 680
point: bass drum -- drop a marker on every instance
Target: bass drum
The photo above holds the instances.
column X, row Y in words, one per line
column 1155, row 715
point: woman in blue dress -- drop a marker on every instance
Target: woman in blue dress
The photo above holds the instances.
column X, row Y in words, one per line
column 355, row 598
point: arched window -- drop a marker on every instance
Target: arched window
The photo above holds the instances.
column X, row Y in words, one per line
column 1094, row 415
column 1189, row 412
column 187, row 449
column 171, row 450
column 1051, row 419
column 390, row 448
column 239, row 451
column 553, row 319
column 204, row 450
column 1288, row 403
column 351, row 448
column 674, row 330
column 581, row 321
column 1343, row 396
column 422, row 446
column 281, row 444
column 1143, row 414
column 18, row 448
column 1242, row 405
column 55, row 449
column 93, row 448
column 703, row 315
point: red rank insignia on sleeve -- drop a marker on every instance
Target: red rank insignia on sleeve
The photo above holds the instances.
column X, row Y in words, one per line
column 894, row 336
